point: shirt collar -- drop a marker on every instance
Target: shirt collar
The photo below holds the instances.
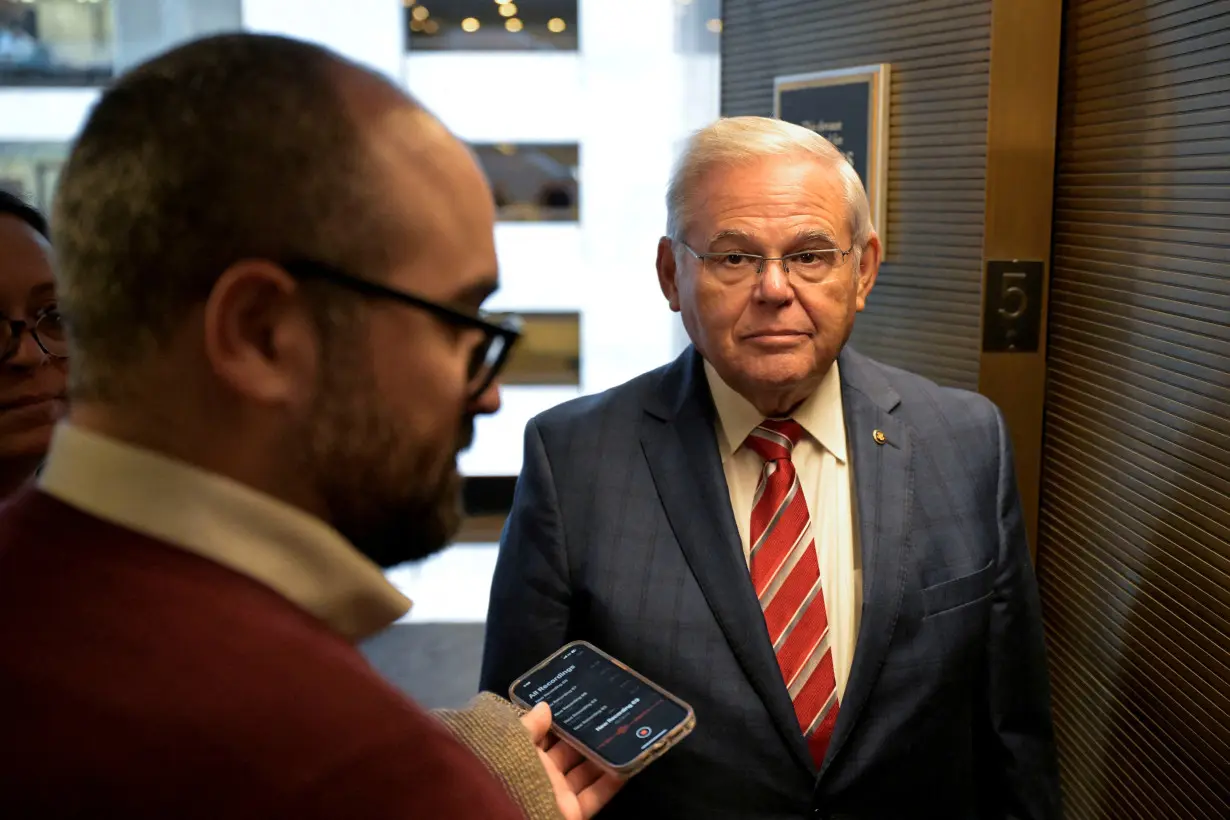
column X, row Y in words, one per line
column 820, row 414
column 277, row 545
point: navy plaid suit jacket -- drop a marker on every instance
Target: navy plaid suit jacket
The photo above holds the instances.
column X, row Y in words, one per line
column 622, row 533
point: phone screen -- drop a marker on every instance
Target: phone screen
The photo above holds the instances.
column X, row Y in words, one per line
column 611, row 712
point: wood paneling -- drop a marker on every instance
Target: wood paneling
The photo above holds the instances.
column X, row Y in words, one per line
column 549, row 351
column 1022, row 102
column 1135, row 523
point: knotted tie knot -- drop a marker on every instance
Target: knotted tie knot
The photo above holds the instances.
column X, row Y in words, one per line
column 774, row 439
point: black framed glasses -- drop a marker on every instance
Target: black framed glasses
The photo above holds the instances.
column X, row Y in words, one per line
column 47, row 330
column 499, row 333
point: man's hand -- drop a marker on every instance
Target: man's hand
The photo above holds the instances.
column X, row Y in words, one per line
column 581, row 788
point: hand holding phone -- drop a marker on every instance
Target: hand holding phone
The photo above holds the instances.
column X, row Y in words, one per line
column 609, row 713
column 582, row 788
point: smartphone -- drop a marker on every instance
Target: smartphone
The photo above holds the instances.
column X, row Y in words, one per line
column 609, row 713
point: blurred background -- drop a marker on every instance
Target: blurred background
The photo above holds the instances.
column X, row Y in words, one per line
column 1090, row 136
column 576, row 110
column 576, row 124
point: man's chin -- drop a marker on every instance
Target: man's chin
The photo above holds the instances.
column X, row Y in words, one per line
column 408, row 548
column 417, row 533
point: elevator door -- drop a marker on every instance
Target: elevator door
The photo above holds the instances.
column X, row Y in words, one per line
column 1134, row 539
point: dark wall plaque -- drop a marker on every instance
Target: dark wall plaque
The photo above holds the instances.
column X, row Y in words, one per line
column 849, row 108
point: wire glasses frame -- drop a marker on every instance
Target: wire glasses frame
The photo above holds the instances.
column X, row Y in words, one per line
column 47, row 331
column 811, row 265
column 499, row 334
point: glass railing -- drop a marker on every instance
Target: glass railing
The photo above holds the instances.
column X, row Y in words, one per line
column 533, row 182
column 31, row 170
column 55, row 42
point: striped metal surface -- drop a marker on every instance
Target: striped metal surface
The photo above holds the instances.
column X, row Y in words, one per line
column 924, row 312
column 1134, row 545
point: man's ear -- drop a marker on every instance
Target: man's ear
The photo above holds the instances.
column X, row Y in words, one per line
column 667, row 271
column 868, row 268
column 259, row 338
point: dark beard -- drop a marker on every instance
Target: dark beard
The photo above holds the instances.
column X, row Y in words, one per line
column 393, row 497
column 418, row 530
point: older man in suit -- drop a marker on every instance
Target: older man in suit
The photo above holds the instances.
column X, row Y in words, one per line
column 825, row 556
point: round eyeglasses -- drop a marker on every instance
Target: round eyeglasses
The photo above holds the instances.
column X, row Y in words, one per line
column 47, row 330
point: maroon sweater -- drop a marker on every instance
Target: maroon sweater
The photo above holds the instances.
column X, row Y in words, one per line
column 138, row 680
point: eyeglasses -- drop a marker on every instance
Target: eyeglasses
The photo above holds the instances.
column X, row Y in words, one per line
column 489, row 357
column 736, row 267
column 47, row 330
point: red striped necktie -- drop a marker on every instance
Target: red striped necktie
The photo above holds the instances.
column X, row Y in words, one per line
column 786, row 576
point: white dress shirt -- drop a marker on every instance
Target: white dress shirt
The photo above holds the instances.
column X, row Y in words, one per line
column 821, row 461
column 282, row 547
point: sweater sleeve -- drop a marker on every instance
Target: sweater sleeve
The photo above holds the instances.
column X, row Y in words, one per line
column 490, row 727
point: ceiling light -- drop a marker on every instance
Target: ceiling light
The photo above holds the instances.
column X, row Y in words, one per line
column 431, row 27
column 469, row 24
column 420, row 13
column 555, row 25
column 513, row 24
column 714, row 25
column 508, row 10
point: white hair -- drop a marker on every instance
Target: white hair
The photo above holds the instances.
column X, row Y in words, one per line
column 736, row 140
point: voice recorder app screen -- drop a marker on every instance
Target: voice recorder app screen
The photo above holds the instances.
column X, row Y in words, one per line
column 610, row 711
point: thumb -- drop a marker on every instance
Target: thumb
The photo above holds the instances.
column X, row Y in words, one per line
column 537, row 722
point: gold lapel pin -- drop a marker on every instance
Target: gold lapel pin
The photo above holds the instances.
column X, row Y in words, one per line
column 879, row 436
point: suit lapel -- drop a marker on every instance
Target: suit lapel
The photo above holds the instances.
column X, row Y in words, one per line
column 882, row 479
column 680, row 445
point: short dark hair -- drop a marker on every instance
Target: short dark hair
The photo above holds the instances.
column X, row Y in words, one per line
column 13, row 205
column 232, row 147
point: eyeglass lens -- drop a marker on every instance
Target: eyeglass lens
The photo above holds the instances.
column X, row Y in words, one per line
column 483, row 362
column 49, row 334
